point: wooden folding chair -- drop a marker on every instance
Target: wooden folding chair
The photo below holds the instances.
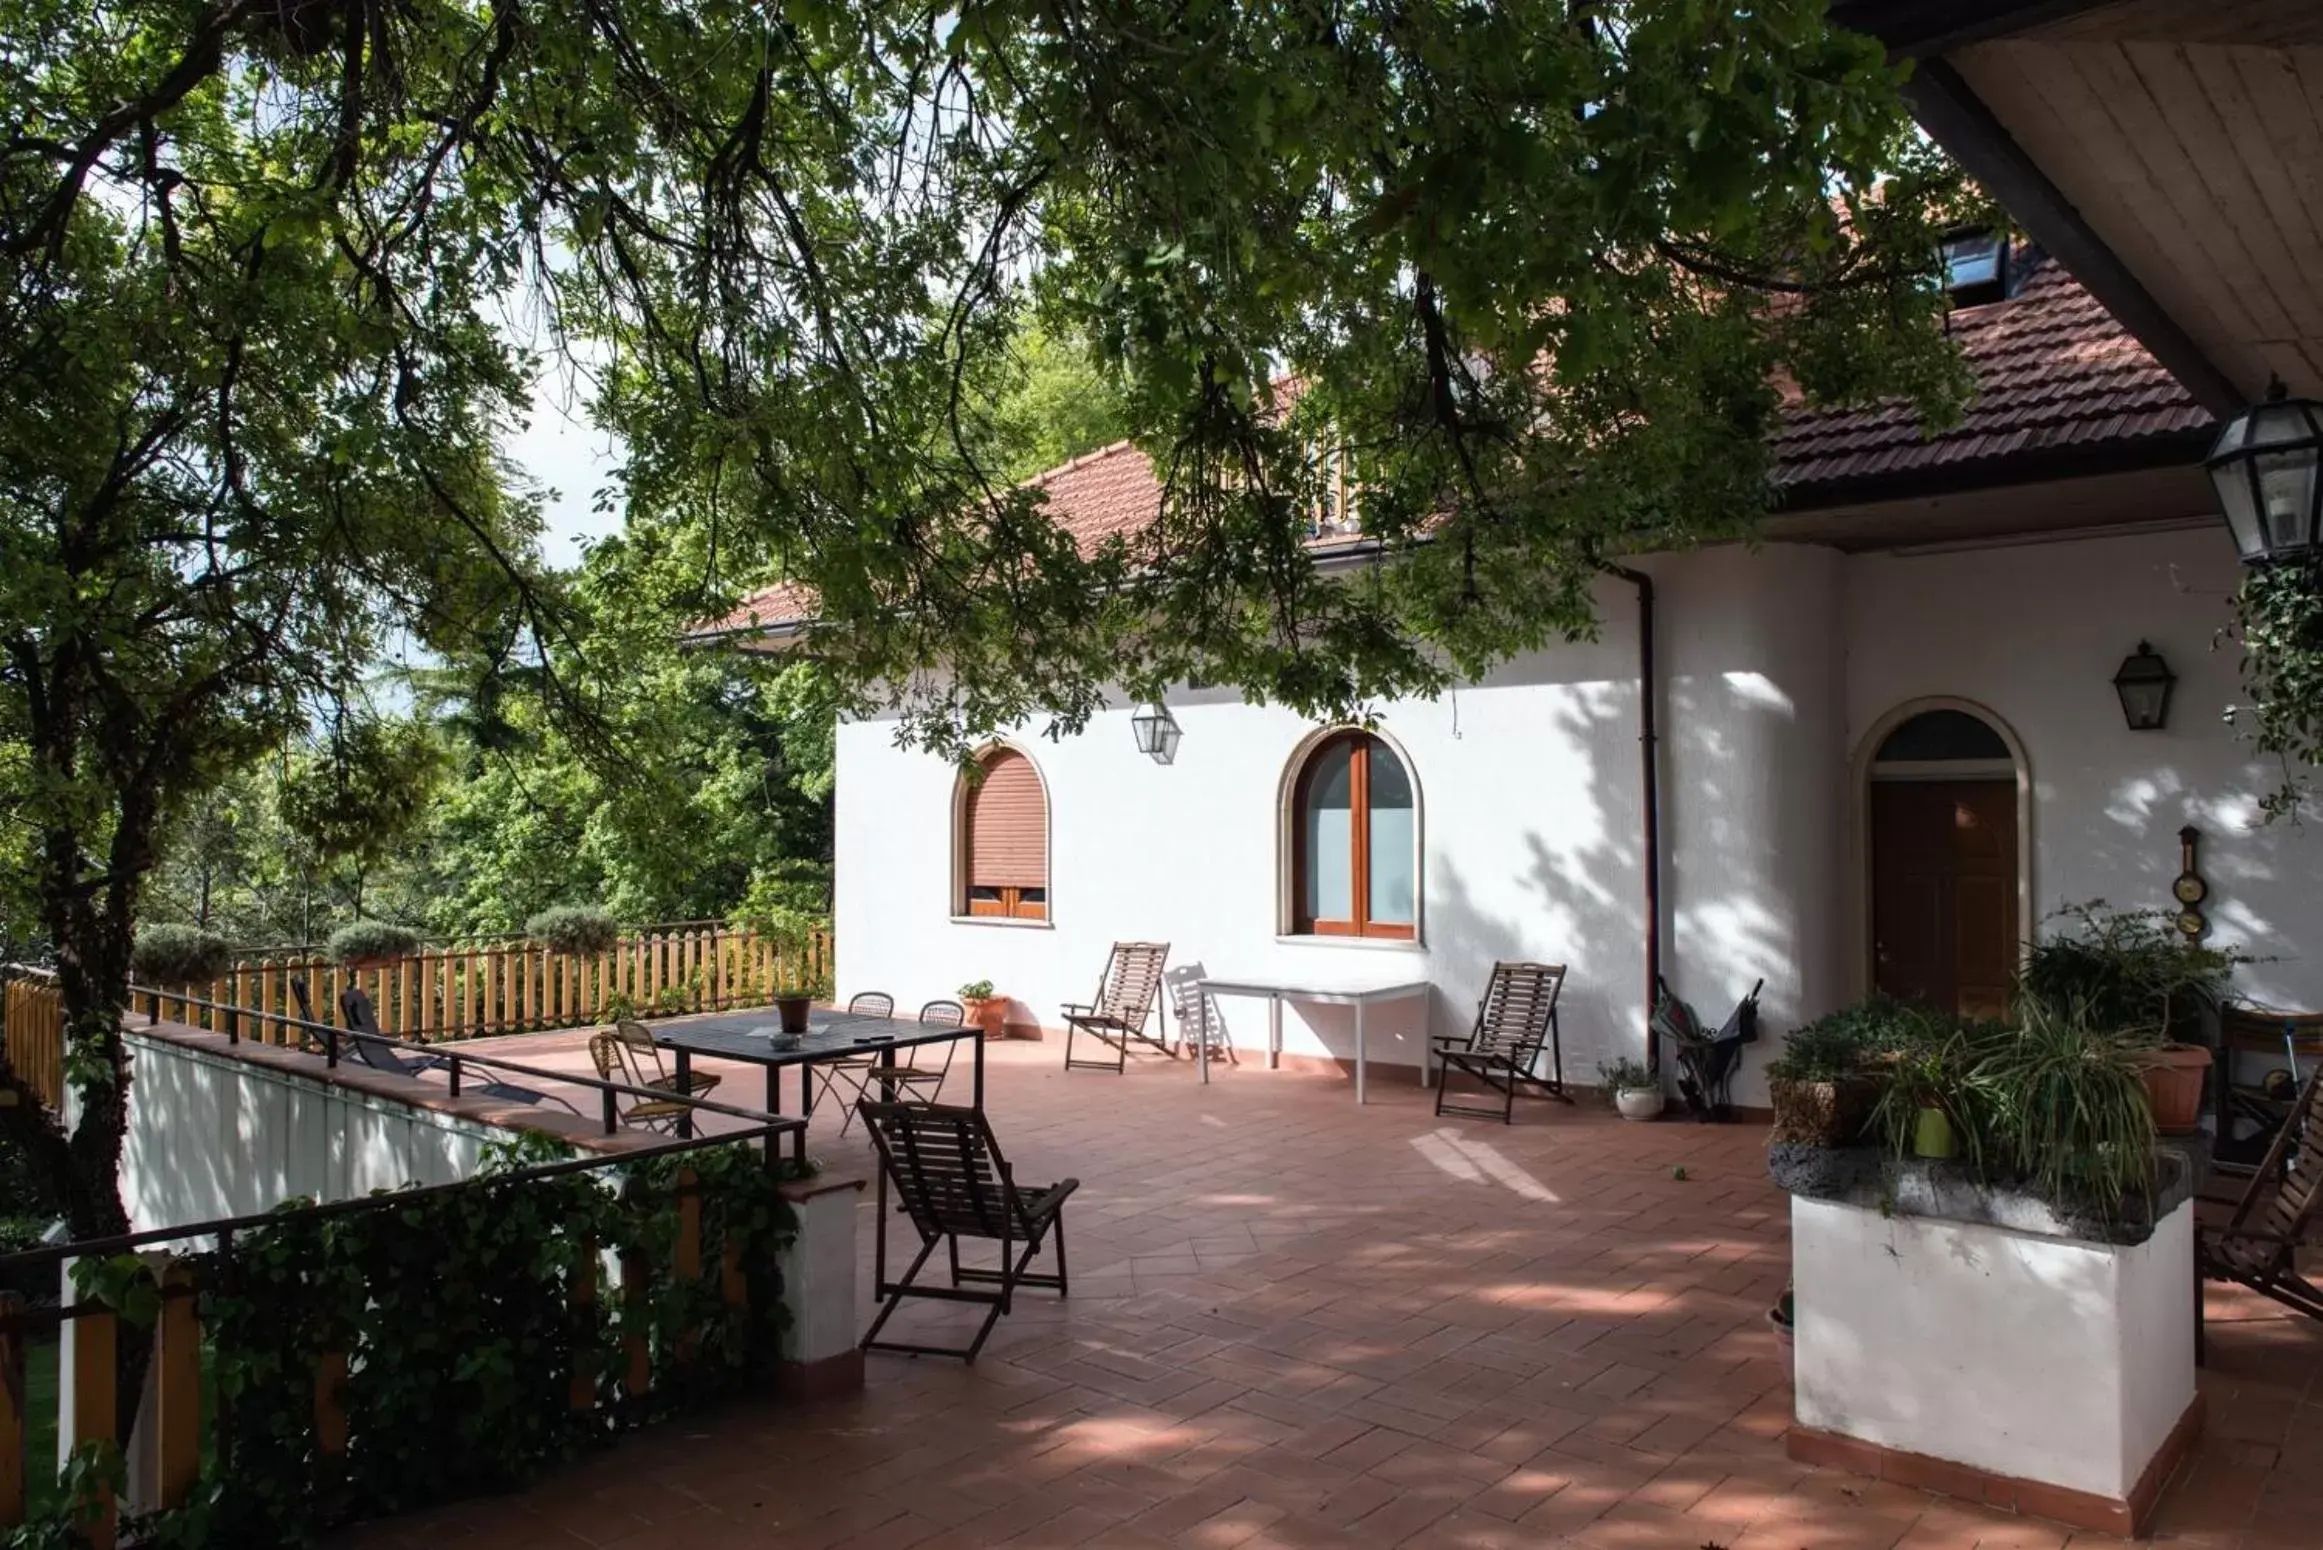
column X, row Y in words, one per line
column 2258, row 1245
column 1516, row 1017
column 1127, row 997
column 951, row 1181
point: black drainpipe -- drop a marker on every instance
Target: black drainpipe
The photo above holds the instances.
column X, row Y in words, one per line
column 1650, row 794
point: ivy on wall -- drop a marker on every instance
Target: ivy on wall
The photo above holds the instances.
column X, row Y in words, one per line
column 462, row 1340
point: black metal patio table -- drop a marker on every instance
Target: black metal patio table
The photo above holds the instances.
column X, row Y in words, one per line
column 753, row 1037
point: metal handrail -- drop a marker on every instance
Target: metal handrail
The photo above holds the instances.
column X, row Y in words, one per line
column 225, row 1227
column 331, row 1035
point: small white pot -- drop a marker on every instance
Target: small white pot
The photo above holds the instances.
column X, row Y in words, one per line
column 1639, row 1102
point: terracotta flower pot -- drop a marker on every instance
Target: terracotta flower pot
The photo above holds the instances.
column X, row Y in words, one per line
column 989, row 1013
column 2173, row 1076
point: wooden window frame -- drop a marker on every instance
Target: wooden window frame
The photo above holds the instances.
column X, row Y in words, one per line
column 1359, row 839
column 1008, row 902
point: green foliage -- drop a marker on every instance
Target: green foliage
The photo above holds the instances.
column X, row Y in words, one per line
column 359, row 940
column 1840, row 1043
column 568, row 928
column 2131, row 971
column 1626, row 1075
column 2278, row 614
column 976, row 990
column 455, row 1312
column 1933, row 1066
column 1054, row 405
column 167, row 954
column 2066, row 1109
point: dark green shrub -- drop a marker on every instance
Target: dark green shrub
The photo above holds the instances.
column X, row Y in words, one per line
column 573, row 928
column 364, row 939
column 178, row 955
column 2127, row 970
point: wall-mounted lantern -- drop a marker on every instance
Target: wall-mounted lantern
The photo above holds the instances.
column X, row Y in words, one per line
column 1156, row 731
column 2267, row 466
column 2144, row 686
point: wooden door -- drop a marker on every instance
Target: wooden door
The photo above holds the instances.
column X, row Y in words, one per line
column 1944, row 892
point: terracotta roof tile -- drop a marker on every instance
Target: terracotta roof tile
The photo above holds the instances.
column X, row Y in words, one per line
column 2054, row 370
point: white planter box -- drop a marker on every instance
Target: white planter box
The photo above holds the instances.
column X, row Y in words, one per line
column 2004, row 1363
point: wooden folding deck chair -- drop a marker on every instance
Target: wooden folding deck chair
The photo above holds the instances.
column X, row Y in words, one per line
column 951, row 1181
column 2258, row 1245
column 1127, row 998
column 1517, row 1015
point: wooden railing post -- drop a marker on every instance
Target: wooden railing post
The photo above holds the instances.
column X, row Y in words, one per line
column 95, row 1337
column 688, row 1258
column 331, row 1403
column 584, row 1300
column 177, row 1358
column 13, row 1423
column 637, row 1381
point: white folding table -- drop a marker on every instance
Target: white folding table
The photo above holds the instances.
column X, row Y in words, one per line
column 1277, row 993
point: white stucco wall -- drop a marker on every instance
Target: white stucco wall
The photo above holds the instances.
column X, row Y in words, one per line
column 1530, row 815
column 1774, row 664
column 211, row 1137
column 2035, row 634
column 2059, row 1361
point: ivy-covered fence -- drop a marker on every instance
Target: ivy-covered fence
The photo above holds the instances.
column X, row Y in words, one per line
column 324, row 1364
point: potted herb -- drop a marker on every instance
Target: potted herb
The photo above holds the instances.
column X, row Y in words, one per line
column 1925, row 1105
column 1635, row 1091
column 985, row 1010
column 574, row 930
column 367, row 944
column 791, row 1003
column 178, row 955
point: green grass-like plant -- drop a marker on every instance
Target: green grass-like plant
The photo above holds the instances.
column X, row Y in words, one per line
column 2064, row 1109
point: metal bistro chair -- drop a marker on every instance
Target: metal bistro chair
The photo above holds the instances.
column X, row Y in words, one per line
column 1127, row 996
column 1517, row 1015
column 951, row 1181
column 613, row 1061
column 645, row 1054
column 851, row 1074
column 921, row 1084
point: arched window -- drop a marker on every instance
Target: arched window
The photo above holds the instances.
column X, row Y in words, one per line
column 1355, row 859
column 1004, row 840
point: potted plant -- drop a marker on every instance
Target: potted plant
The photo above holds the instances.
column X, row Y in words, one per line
column 367, row 944
column 1636, row 1092
column 1822, row 1088
column 2067, row 1110
column 985, row 1010
column 574, row 930
column 2132, row 973
column 178, row 955
column 791, row 1003
column 1924, row 1105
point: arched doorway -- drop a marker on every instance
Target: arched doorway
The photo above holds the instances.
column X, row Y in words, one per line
column 1943, row 816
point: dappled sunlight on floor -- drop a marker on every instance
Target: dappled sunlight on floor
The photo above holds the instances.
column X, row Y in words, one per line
column 1296, row 1323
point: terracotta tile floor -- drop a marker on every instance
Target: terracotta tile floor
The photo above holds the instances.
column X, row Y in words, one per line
column 1296, row 1323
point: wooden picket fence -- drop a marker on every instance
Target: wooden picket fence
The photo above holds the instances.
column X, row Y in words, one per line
column 460, row 991
column 36, row 1037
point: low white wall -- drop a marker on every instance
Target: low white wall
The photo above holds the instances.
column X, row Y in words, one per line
column 211, row 1136
column 818, row 1272
column 2033, row 1357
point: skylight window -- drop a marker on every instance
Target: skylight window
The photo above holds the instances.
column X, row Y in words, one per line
column 1976, row 267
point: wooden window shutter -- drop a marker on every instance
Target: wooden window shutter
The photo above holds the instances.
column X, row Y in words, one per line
column 1008, row 827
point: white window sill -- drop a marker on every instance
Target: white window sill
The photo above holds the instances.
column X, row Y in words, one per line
column 1366, row 944
column 1011, row 922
